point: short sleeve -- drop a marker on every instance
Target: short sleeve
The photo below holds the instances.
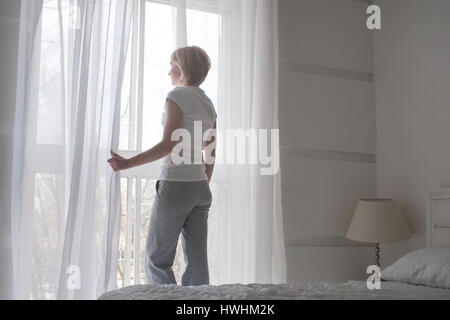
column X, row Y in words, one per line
column 175, row 95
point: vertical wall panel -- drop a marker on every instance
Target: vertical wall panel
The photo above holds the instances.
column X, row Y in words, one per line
column 327, row 135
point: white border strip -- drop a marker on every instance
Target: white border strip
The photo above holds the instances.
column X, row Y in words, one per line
column 321, row 241
column 326, row 71
column 328, row 155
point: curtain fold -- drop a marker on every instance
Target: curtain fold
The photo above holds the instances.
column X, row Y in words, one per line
column 249, row 245
column 253, row 239
column 66, row 199
column 29, row 20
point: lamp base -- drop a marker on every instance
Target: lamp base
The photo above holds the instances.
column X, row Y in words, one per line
column 377, row 258
column 377, row 254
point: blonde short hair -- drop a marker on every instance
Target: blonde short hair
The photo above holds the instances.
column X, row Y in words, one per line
column 194, row 64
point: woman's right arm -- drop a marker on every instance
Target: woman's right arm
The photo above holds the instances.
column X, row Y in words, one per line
column 209, row 165
column 173, row 122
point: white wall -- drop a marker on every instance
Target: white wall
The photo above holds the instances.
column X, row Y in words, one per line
column 9, row 32
column 327, row 135
column 412, row 64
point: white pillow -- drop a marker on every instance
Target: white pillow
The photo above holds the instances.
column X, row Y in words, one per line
column 429, row 267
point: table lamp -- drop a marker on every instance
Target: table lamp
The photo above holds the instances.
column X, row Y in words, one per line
column 378, row 221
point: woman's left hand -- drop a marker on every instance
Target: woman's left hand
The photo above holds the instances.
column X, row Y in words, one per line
column 117, row 162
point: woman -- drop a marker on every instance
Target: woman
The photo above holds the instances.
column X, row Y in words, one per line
column 183, row 197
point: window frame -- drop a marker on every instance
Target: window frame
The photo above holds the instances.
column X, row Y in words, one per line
column 150, row 170
column 48, row 164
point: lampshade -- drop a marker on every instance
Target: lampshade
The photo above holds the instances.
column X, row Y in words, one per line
column 378, row 221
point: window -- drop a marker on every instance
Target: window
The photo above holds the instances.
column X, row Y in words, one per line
column 146, row 83
column 141, row 128
column 47, row 172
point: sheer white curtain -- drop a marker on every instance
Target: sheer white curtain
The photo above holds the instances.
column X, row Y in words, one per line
column 251, row 239
column 65, row 215
column 66, row 198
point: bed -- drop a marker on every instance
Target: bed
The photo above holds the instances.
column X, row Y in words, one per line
column 351, row 290
column 421, row 274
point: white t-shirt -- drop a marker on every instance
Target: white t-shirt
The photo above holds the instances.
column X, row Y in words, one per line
column 198, row 110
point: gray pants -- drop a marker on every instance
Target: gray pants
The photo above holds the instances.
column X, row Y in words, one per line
column 179, row 206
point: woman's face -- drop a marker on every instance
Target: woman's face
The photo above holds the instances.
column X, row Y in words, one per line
column 175, row 74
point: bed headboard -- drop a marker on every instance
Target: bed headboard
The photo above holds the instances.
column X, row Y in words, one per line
column 438, row 218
